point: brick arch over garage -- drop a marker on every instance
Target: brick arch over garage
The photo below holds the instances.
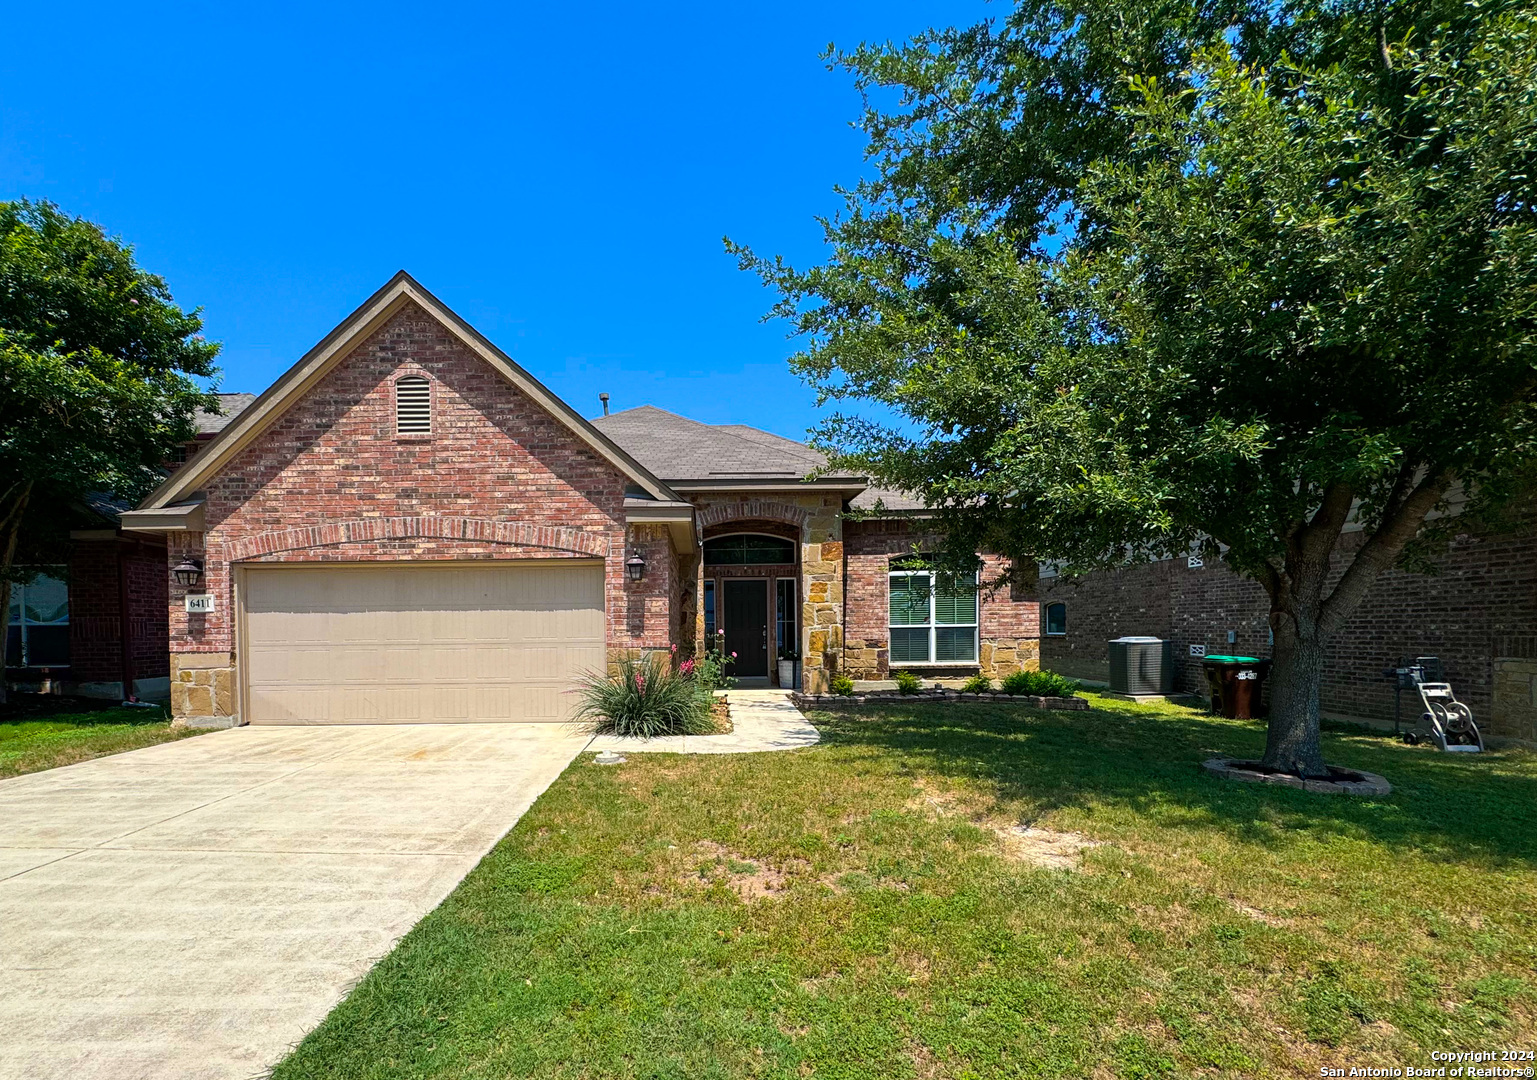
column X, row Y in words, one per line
column 761, row 509
column 478, row 530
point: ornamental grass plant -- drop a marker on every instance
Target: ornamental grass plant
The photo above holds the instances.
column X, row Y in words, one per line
column 645, row 699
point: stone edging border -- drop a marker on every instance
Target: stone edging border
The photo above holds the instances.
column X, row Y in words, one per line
column 1075, row 704
column 1370, row 783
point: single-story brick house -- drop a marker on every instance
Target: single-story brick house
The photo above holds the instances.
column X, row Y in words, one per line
column 407, row 526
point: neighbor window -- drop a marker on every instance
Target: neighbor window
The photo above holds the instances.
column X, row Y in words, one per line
column 37, row 634
column 709, row 609
column 1056, row 619
column 933, row 618
column 413, row 405
column 784, row 617
column 747, row 549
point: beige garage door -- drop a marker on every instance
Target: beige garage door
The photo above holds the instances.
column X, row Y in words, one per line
column 419, row 643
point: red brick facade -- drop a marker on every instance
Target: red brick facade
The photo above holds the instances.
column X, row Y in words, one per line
column 1471, row 614
column 498, row 478
column 1008, row 618
column 102, row 573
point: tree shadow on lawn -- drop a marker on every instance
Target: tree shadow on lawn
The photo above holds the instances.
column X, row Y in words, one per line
column 1463, row 808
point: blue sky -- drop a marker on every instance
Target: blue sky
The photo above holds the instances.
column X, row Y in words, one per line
column 562, row 177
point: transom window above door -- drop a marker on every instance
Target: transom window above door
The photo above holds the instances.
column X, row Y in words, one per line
column 748, row 549
column 933, row 618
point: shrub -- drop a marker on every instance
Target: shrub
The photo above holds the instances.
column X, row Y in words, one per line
column 645, row 699
column 843, row 686
column 1040, row 683
column 977, row 684
column 908, row 683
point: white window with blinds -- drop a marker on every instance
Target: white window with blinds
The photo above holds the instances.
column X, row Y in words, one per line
column 933, row 618
column 413, row 406
column 37, row 632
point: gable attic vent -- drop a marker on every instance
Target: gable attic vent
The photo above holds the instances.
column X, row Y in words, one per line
column 413, row 405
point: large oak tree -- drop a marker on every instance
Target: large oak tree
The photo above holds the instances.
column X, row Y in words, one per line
column 1146, row 277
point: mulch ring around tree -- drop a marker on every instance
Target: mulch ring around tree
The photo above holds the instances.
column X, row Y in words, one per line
column 1339, row 781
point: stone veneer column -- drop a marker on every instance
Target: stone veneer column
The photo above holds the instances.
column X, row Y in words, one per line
column 822, row 590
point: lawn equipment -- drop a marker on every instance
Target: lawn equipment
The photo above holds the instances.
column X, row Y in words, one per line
column 1444, row 720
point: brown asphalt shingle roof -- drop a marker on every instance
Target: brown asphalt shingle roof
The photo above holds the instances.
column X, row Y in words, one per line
column 677, row 448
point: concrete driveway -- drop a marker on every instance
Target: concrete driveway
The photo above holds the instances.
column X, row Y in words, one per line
column 193, row 909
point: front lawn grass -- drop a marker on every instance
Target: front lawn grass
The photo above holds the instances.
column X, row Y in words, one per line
column 36, row 736
column 858, row 910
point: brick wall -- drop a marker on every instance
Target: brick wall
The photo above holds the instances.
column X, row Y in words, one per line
column 1486, row 590
column 498, row 478
column 95, row 610
column 1008, row 619
column 95, row 614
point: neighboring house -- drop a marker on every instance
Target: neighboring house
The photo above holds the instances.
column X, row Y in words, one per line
column 97, row 626
column 407, row 526
column 1478, row 614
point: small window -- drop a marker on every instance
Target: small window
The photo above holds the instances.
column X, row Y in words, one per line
column 413, row 406
column 1056, row 619
column 709, row 609
column 933, row 620
column 37, row 634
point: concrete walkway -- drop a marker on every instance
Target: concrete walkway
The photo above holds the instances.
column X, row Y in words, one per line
column 760, row 720
column 193, row 909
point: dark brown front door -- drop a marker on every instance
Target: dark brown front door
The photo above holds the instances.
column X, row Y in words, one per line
column 746, row 625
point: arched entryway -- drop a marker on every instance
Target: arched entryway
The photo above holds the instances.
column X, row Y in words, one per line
column 751, row 594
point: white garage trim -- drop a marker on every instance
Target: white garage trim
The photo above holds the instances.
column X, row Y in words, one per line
column 463, row 641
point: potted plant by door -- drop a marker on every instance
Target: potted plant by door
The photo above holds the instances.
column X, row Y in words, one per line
column 787, row 660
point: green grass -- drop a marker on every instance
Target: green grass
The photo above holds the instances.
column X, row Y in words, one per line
column 39, row 739
column 1219, row 929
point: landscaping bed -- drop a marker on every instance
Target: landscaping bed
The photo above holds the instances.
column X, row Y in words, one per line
column 980, row 892
column 874, row 697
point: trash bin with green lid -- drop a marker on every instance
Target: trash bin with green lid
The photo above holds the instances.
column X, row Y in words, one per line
column 1236, row 684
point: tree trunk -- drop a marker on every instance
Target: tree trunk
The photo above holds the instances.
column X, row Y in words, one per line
column 1291, row 743
column 10, row 534
column 1304, row 614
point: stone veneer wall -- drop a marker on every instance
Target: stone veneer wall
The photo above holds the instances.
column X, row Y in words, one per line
column 1009, row 617
column 1476, row 614
column 819, row 517
column 330, row 480
column 1513, row 708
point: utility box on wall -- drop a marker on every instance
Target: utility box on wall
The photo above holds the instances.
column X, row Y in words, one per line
column 1140, row 665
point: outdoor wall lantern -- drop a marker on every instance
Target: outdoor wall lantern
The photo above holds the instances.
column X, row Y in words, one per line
column 636, row 566
column 188, row 572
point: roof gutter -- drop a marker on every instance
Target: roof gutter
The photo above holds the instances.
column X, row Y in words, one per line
column 852, row 483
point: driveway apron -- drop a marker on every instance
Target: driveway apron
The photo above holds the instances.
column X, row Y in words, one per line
column 193, row 909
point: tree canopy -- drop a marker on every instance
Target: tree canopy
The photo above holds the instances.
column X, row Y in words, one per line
column 1146, row 277
column 98, row 378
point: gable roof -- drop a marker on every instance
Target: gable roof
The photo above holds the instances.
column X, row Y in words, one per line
column 684, row 451
column 400, row 290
